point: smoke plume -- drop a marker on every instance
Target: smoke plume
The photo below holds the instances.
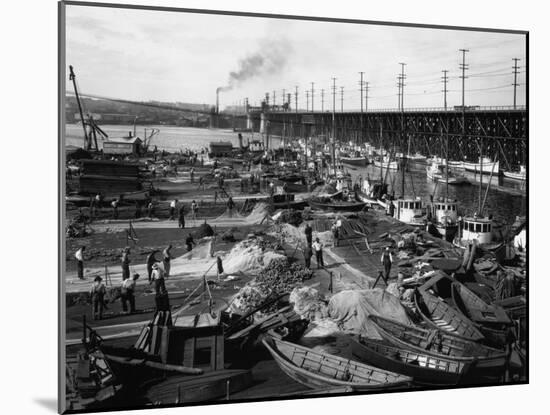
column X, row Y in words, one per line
column 271, row 58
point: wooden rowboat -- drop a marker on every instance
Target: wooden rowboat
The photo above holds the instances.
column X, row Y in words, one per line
column 438, row 343
column 318, row 370
column 475, row 308
column 440, row 315
column 422, row 367
column 337, row 206
column 203, row 388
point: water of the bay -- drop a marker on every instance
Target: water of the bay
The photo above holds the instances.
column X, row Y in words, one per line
column 502, row 205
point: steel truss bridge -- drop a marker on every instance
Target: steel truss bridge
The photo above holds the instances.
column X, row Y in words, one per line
column 496, row 132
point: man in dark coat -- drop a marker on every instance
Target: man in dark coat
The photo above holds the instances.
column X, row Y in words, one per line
column 308, row 231
column 308, row 253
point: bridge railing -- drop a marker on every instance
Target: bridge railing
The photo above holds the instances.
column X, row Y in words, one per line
column 421, row 109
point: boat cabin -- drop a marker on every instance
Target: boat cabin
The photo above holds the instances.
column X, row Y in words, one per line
column 195, row 341
column 130, row 145
column 479, row 228
column 256, row 146
column 445, row 212
column 409, row 210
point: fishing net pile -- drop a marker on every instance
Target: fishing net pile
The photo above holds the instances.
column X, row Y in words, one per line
column 308, row 303
column 277, row 278
column 203, row 230
column 351, row 309
column 249, row 257
column 258, row 214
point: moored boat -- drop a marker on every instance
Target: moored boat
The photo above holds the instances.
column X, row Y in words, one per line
column 318, row 370
column 516, row 175
column 410, row 211
column 484, row 165
column 422, row 367
column 438, row 343
column 475, row 308
column 445, row 218
column 440, row 315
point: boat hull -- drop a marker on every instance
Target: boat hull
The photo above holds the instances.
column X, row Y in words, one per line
column 422, row 367
column 354, row 161
column 338, row 207
column 317, row 370
column 439, row 315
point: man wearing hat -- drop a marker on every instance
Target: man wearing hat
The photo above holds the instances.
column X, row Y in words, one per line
column 127, row 293
column 98, row 294
column 386, row 259
column 161, row 294
column 125, row 263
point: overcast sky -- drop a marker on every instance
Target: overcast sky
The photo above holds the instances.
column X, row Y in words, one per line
column 170, row 56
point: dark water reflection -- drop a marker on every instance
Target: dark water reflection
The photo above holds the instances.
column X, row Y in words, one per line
column 503, row 206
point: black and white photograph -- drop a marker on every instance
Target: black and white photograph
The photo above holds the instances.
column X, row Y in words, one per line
column 261, row 207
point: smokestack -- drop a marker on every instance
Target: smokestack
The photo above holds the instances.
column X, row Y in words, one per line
column 217, row 101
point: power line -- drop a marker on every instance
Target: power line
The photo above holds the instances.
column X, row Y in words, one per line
column 361, row 89
column 312, row 94
column 463, row 66
column 322, row 100
column 342, row 98
column 366, row 96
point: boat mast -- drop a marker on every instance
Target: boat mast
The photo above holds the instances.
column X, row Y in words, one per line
column 480, row 174
column 72, row 77
column 446, row 164
column 381, row 158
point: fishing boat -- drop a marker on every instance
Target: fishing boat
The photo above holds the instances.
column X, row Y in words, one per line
column 440, row 315
column 445, row 218
column 422, row 367
column 484, row 165
column 416, row 158
column 437, row 173
column 410, row 211
column 336, row 205
column 477, row 228
column 355, row 159
column 521, row 175
column 386, row 163
column 438, row 343
column 319, row 370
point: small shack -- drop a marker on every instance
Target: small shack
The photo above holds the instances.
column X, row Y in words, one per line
column 220, row 149
column 131, row 145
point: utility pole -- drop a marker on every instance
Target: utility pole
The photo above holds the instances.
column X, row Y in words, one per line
column 334, row 123
column 312, row 94
column 361, row 89
column 515, row 84
column 366, row 96
column 273, row 98
column 445, row 79
column 283, row 97
column 398, row 92
column 463, row 66
column 342, row 98
column 296, row 98
column 402, row 83
column 307, row 101
column 267, row 100
column 322, row 100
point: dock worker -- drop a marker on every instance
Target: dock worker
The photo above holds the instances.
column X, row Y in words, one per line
column 79, row 255
column 151, row 259
column 125, row 259
column 181, row 217
column 150, row 209
column 308, row 253
column 114, row 205
column 161, row 294
column 192, row 174
column 189, row 242
column 201, row 183
column 219, row 264
column 173, row 205
column 230, row 206
column 318, row 248
column 308, row 231
column 194, row 210
column 97, row 294
column 127, row 294
column 166, row 257
column 97, row 204
column 386, row 259
column 138, row 210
